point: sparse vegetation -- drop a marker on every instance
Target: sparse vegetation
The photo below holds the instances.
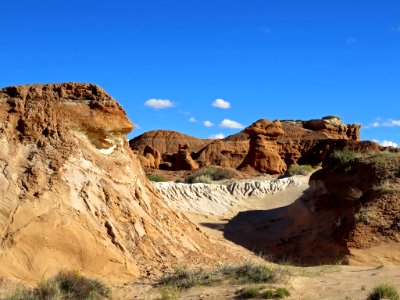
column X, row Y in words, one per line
column 250, row 292
column 202, row 179
column 344, row 157
column 156, row 178
column 64, row 286
column 207, row 175
column 299, row 170
column 387, row 188
column 169, row 293
column 243, row 274
column 361, row 216
column 332, row 117
column 257, row 292
column 384, row 291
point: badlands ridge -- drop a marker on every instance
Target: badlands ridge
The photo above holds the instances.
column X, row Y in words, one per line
column 74, row 192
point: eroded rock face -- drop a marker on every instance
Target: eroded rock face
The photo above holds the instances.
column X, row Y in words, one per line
column 183, row 159
column 263, row 155
column 303, row 142
column 73, row 195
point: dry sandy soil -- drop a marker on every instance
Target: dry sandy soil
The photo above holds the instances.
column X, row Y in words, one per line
column 320, row 282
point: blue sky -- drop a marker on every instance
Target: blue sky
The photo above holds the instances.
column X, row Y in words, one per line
column 267, row 59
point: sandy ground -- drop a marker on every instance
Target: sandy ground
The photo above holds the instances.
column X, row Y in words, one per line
column 308, row 283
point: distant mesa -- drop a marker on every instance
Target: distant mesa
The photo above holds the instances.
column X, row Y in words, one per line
column 263, row 147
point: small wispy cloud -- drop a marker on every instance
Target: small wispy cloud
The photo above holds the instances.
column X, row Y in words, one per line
column 266, row 30
column 192, row 120
column 137, row 126
column 385, row 123
column 221, row 103
column 386, row 143
column 217, row 136
column 208, row 123
column 159, row 103
column 351, row 41
column 226, row 123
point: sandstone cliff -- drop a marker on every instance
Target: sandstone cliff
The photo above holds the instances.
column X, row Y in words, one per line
column 350, row 214
column 303, row 142
column 74, row 196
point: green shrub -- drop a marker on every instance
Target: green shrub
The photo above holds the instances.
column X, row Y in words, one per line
column 185, row 279
column 250, row 292
column 64, row 286
column 237, row 274
column 256, row 292
column 384, row 291
column 299, row 170
column 387, row 188
column 251, row 273
column 212, row 173
column 156, row 178
column 343, row 157
column 281, row 293
column 202, row 179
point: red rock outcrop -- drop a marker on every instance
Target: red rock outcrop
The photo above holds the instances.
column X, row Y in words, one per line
column 350, row 214
column 263, row 155
column 183, row 159
column 303, row 142
column 74, row 196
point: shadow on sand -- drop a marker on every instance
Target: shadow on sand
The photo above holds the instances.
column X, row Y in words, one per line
column 293, row 234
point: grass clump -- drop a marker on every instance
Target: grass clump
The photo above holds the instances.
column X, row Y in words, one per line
column 240, row 274
column 186, row 279
column 257, row 292
column 202, row 179
column 211, row 174
column 384, row 291
column 299, row 170
column 344, row 157
column 156, row 178
column 250, row 292
column 251, row 273
column 64, row 286
column 387, row 188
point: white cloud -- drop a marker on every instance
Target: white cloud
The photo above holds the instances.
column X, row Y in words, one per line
column 159, row 103
column 387, row 123
column 208, row 123
column 137, row 126
column 217, row 136
column 221, row 103
column 193, row 120
column 386, row 143
column 231, row 124
column 351, row 41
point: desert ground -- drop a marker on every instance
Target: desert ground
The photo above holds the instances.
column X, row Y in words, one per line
column 332, row 281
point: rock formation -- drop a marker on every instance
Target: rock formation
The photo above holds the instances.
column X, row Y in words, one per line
column 73, row 195
column 183, row 160
column 263, row 155
column 349, row 214
column 303, row 142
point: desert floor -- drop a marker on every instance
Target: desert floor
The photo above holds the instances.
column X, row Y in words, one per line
column 318, row 282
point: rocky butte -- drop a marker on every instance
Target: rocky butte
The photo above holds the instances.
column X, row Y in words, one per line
column 264, row 146
column 74, row 196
